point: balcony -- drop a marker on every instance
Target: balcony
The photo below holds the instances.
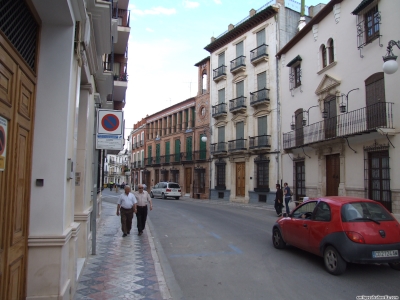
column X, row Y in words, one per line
column 357, row 122
column 139, row 164
column 219, row 110
column 157, row 161
column 219, row 73
column 218, row 148
column 187, row 157
column 120, row 81
column 200, row 155
column 176, row 158
column 259, row 97
column 238, row 64
column 237, row 145
column 259, row 54
column 133, row 165
column 141, row 143
column 148, row 161
column 123, row 20
column 237, row 104
column 260, row 142
column 105, row 173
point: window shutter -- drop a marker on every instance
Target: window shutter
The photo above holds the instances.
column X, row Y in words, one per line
column 221, row 134
column 239, row 49
column 167, row 148
column 202, row 144
column 239, row 130
column 221, row 96
column 261, row 80
column 240, row 89
column 221, row 59
column 262, row 125
column 260, row 37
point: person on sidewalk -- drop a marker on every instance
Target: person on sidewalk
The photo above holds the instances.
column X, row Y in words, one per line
column 126, row 207
column 143, row 198
column 278, row 200
column 288, row 196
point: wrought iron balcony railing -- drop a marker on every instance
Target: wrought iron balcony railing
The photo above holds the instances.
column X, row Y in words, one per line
column 141, row 143
column 218, row 110
column 105, row 173
column 260, row 141
column 218, row 148
column 149, row 161
column 157, row 160
column 238, row 63
column 123, row 16
column 133, row 165
column 356, row 122
column 122, row 75
column 237, row 104
column 176, row 158
column 187, row 156
column 200, row 155
column 259, row 97
column 237, row 145
column 259, row 53
column 219, row 72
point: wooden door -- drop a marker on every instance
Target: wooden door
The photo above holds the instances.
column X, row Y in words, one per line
column 375, row 101
column 240, row 182
column 188, row 180
column 300, row 180
column 332, row 174
column 331, row 121
column 17, row 102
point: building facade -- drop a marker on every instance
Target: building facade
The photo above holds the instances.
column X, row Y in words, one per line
column 338, row 107
column 138, row 140
column 244, row 107
column 50, row 196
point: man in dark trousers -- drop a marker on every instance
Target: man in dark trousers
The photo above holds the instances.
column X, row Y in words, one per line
column 126, row 206
column 278, row 200
column 143, row 198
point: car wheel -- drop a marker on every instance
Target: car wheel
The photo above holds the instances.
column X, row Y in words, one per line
column 151, row 195
column 395, row 265
column 163, row 196
column 177, row 198
column 334, row 263
column 277, row 239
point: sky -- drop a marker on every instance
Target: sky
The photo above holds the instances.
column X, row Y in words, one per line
column 167, row 39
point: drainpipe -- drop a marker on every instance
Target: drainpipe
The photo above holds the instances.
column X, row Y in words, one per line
column 94, row 186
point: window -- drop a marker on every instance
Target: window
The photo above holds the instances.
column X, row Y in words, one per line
column 300, row 180
column 331, row 52
column 200, row 180
column 158, row 161
column 189, row 152
column 221, row 96
column 371, row 19
column 262, row 174
column 177, row 150
column 297, row 75
column 375, row 101
column 167, row 152
column 305, row 211
column 261, row 80
column 379, row 178
column 149, row 150
column 220, row 175
column 323, row 212
column 359, row 211
column 323, row 53
column 295, row 72
column 239, row 49
column 221, row 138
column 204, row 82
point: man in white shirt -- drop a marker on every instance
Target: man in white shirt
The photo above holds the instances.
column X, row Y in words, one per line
column 143, row 198
column 126, row 207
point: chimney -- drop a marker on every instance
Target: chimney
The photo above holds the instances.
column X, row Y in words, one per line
column 213, row 39
column 252, row 12
column 302, row 21
column 230, row 27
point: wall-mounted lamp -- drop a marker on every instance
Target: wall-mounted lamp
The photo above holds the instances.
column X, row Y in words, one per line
column 390, row 65
column 343, row 106
column 204, row 137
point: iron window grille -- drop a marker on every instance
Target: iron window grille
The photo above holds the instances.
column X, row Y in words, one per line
column 220, row 166
column 368, row 28
column 262, row 174
column 295, row 77
column 200, row 180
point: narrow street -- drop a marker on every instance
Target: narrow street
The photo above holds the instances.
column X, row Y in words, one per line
column 220, row 250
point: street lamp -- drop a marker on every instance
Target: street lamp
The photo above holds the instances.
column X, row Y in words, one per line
column 390, row 65
column 204, row 137
column 342, row 106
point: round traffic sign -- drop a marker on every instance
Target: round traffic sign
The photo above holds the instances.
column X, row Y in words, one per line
column 2, row 140
column 110, row 122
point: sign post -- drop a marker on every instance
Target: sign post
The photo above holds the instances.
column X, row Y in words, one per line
column 3, row 143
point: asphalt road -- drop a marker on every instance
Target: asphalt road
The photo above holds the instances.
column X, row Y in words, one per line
column 224, row 251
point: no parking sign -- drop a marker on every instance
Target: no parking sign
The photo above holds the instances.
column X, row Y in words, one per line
column 110, row 129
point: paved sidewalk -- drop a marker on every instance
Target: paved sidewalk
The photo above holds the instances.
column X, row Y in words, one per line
column 123, row 268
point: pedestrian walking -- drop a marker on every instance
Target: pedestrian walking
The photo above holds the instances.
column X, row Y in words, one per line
column 288, row 196
column 143, row 198
column 126, row 208
column 278, row 200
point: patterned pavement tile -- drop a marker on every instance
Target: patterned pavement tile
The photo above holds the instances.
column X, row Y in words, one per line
column 122, row 267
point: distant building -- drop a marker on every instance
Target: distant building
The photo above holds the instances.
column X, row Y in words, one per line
column 138, row 140
column 245, row 111
column 339, row 110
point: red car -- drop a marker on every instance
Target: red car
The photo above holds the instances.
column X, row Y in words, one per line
column 342, row 230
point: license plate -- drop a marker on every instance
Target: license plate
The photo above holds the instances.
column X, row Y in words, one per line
column 174, row 190
column 387, row 253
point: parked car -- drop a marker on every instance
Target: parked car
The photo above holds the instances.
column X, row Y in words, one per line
column 166, row 189
column 342, row 230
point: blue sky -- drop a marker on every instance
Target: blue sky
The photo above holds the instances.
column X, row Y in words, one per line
column 167, row 38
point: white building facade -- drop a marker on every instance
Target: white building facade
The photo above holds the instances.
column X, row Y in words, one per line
column 339, row 110
column 244, row 104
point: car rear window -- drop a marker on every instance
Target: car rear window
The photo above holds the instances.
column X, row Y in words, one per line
column 174, row 186
column 359, row 211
